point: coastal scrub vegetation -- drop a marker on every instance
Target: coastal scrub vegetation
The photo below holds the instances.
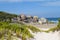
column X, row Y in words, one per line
column 13, row 31
column 4, row 16
column 10, row 30
column 57, row 28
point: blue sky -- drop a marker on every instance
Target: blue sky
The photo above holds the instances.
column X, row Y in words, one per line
column 41, row 8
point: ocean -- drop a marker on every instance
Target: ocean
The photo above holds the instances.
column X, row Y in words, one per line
column 52, row 19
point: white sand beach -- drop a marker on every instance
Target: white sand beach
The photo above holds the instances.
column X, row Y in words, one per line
column 46, row 36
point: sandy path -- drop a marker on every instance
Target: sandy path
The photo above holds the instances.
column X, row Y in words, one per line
column 47, row 36
column 44, row 35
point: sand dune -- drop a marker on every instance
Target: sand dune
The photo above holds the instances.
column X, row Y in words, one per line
column 46, row 36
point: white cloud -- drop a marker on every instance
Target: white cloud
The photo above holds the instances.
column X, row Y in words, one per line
column 15, row 0
column 56, row 3
column 40, row 0
column 47, row 2
column 10, row 0
column 21, row 0
column 33, row 0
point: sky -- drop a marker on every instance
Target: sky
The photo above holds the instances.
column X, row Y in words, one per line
column 40, row 8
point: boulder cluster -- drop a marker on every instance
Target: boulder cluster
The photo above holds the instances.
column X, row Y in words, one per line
column 28, row 19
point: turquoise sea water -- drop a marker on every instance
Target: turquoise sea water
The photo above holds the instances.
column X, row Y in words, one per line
column 52, row 19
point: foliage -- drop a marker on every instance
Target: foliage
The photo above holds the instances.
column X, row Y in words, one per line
column 10, row 30
column 57, row 28
column 5, row 15
column 34, row 29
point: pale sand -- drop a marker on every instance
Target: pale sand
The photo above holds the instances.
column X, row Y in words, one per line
column 46, row 36
column 42, row 25
column 43, row 35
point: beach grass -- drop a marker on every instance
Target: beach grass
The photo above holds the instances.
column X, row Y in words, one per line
column 7, row 30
